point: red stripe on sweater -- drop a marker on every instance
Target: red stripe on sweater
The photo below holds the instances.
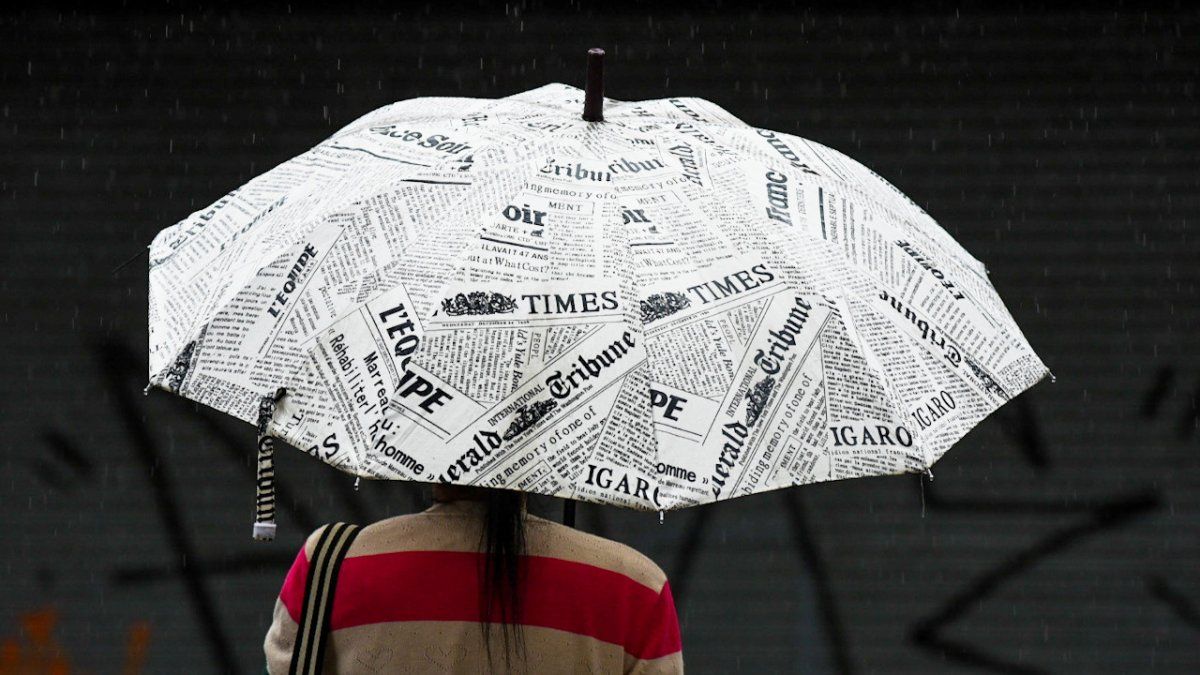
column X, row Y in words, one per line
column 443, row 586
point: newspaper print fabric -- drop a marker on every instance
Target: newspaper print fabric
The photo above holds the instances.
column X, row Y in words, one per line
column 664, row 309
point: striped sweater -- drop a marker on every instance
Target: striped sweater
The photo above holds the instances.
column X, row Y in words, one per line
column 407, row 601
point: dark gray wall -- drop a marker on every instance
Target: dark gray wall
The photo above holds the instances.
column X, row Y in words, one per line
column 1061, row 149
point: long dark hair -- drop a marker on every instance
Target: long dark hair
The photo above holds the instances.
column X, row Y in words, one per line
column 503, row 543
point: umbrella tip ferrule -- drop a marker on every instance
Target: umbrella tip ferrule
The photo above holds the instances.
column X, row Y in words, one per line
column 593, row 96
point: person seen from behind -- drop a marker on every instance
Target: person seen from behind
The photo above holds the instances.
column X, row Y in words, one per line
column 476, row 584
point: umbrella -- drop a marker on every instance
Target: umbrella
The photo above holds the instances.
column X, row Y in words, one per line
column 652, row 305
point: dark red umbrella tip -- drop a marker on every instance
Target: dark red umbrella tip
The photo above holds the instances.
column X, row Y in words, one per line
column 593, row 98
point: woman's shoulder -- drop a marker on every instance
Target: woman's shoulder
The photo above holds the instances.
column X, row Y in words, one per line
column 426, row 530
column 457, row 528
column 550, row 539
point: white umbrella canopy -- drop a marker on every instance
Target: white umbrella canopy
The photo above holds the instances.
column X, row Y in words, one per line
column 662, row 309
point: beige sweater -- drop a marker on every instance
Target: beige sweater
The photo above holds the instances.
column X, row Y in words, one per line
column 407, row 602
